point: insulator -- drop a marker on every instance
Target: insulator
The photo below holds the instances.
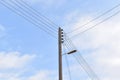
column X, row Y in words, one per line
column 62, row 35
column 61, row 29
column 61, row 32
column 62, row 41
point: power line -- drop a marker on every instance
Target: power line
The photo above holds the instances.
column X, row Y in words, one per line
column 97, row 24
column 90, row 70
column 20, row 6
column 86, row 69
column 69, row 42
column 26, row 17
column 30, row 19
column 83, row 66
column 66, row 41
column 83, row 63
column 37, row 15
column 68, row 67
column 67, row 62
column 95, row 18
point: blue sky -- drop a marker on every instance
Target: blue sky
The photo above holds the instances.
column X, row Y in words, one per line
column 28, row 53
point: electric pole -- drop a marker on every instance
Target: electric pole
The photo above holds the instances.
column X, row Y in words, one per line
column 60, row 41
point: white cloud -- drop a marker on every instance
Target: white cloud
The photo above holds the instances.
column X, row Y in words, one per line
column 43, row 75
column 8, row 76
column 14, row 64
column 103, row 46
column 14, row 60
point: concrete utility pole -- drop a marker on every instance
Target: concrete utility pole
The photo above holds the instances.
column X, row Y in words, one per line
column 60, row 41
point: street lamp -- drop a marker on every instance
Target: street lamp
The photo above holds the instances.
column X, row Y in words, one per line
column 71, row 52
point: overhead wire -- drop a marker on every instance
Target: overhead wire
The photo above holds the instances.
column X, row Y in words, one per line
column 86, row 67
column 36, row 14
column 90, row 73
column 31, row 20
column 79, row 58
column 96, row 24
column 84, row 61
column 26, row 10
column 82, row 65
column 69, row 72
column 95, row 18
column 67, row 42
column 67, row 62
column 39, row 14
column 26, row 17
